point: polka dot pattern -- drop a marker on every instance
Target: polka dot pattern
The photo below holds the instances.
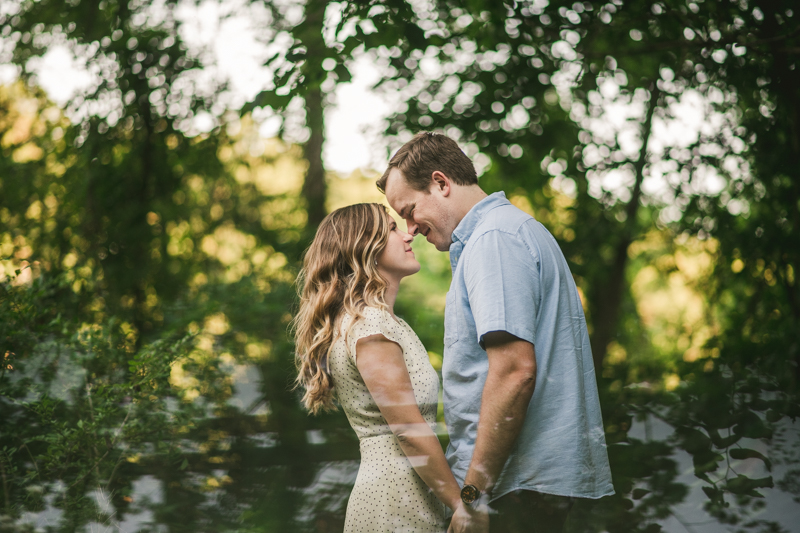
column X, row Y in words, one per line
column 388, row 495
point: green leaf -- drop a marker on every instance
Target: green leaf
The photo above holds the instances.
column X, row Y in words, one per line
column 714, row 494
column 723, row 442
column 706, row 461
column 693, row 440
column 745, row 485
column 751, row 426
column 745, row 453
column 343, row 73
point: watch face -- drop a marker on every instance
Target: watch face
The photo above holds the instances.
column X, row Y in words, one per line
column 470, row 493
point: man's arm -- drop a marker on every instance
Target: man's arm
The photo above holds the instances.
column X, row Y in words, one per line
column 506, row 395
column 503, row 297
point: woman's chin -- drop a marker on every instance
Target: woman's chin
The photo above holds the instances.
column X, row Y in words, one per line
column 412, row 270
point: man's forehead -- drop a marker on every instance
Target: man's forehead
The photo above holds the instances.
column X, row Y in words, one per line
column 395, row 180
column 398, row 193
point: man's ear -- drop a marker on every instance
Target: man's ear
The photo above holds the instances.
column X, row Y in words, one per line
column 441, row 183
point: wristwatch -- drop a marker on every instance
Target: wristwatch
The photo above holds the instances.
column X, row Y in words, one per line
column 470, row 494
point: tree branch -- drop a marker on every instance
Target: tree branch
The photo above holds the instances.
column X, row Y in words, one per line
column 684, row 44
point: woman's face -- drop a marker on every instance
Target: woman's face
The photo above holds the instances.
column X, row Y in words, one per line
column 397, row 260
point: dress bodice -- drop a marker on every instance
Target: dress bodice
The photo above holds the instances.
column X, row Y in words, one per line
column 352, row 392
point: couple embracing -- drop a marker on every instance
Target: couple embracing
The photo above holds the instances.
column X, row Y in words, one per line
column 520, row 395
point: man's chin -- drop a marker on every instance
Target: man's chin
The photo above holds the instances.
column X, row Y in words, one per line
column 438, row 245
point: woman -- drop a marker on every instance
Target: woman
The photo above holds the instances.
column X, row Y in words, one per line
column 350, row 342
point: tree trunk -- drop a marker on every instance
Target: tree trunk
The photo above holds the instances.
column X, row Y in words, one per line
column 314, row 187
column 606, row 316
column 786, row 80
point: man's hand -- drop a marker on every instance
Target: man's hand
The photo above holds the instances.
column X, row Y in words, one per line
column 469, row 520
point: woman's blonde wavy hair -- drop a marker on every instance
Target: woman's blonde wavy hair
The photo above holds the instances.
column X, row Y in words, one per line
column 339, row 275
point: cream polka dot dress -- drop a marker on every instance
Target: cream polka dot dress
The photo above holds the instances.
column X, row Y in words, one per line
column 388, row 495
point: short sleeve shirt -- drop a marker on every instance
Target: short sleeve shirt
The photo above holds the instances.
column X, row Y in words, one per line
column 509, row 274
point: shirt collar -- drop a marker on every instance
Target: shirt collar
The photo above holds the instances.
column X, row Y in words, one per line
column 464, row 230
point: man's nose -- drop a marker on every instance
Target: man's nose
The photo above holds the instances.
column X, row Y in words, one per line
column 412, row 228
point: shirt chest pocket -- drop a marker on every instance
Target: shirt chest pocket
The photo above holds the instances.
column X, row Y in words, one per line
column 451, row 319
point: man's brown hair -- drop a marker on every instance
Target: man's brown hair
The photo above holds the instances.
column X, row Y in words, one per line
column 426, row 153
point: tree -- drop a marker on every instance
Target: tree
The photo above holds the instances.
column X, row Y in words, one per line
column 91, row 405
column 148, row 230
column 311, row 67
column 565, row 99
column 122, row 167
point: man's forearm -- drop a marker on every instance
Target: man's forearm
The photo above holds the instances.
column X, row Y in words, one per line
column 506, row 394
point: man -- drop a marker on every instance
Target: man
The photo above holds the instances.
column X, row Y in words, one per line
column 520, row 395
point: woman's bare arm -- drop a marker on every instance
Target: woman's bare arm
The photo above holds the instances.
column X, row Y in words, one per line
column 381, row 364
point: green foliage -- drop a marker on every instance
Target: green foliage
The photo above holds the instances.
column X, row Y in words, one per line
column 78, row 401
column 130, row 230
column 150, row 232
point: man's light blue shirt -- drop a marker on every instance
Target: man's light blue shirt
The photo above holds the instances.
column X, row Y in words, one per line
column 509, row 274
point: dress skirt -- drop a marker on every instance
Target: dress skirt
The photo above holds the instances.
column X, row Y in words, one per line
column 389, row 496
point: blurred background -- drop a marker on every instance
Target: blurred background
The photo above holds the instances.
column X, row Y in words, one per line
column 163, row 165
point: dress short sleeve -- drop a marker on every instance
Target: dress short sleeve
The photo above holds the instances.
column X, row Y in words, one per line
column 373, row 322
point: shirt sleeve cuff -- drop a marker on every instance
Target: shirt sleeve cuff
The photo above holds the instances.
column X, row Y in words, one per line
column 526, row 334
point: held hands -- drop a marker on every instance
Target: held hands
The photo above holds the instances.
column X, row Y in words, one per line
column 470, row 520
